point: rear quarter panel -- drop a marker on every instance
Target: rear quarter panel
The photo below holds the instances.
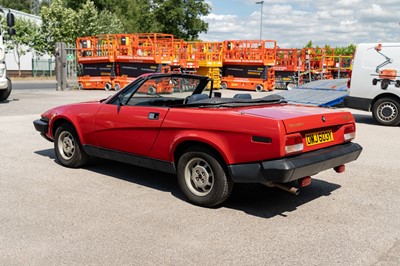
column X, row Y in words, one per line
column 228, row 131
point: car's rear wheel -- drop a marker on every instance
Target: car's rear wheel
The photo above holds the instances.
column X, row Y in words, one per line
column 68, row 148
column 386, row 111
column 202, row 178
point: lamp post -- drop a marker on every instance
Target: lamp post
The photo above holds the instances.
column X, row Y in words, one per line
column 261, row 3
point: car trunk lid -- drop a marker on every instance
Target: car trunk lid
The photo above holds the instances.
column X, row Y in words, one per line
column 298, row 119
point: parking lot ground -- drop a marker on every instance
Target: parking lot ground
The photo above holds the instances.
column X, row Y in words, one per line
column 110, row 213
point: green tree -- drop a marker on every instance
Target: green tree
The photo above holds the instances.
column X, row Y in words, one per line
column 26, row 39
column 92, row 22
column 309, row 45
column 137, row 16
column 182, row 18
column 58, row 22
column 21, row 5
column 63, row 24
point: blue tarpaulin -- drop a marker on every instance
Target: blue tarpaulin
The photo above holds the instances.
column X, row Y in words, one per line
column 325, row 93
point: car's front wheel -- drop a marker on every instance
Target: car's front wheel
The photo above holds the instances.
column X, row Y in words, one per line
column 202, row 178
column 69, row 151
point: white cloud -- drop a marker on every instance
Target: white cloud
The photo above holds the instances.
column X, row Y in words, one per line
column 294, row 23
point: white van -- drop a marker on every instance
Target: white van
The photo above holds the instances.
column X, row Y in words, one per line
column 375, row 82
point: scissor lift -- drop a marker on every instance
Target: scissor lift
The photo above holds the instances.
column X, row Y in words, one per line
column 145, row 53
column 289, row 67
column 114, row 60
column 210, row 61
column 96, row 59
column 248, row 64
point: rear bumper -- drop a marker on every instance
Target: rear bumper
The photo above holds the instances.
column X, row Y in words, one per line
column 357, row 103
column 296, row 167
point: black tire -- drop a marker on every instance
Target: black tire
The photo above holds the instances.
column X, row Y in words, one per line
column 386, row 111
column 374, row 82
column 68, row 148
column 107, row 86
column 202, row 177
column 385, row 84
column 259, row 88
column 4, row 94
column 290, row 86
column 151, row 90
column 397, row 84
column 117, row 87
column 224, row 85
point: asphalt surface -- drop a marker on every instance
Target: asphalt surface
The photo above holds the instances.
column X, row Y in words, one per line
column 115, row 214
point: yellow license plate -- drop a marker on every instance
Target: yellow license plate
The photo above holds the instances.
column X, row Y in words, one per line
column 319, row 137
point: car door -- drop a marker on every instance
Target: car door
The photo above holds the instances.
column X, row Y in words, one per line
column 129, row 129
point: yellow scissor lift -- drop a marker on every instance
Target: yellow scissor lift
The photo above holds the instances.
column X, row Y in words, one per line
column 210, row 61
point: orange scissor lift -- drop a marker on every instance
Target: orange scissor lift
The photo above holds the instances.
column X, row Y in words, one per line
column 289, row 67
column 341, row 67
column 145, row 53
column 114, row 60
column 248, row 64
column 210, row 56
column 320, row 61
column 185, row 57
column 95, row 56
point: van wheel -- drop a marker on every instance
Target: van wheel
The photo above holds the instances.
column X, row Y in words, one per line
column 374, row 82
column 384, row 84
column 386, row 111
column 397, row 84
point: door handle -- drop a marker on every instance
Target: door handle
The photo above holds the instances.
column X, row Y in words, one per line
column 153, row 116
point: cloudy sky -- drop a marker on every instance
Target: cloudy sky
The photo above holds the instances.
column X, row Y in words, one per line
column 294, row 23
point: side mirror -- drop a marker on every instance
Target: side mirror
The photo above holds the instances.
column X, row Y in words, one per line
column 10, row 19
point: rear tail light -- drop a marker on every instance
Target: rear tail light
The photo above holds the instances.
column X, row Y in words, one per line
column 349, row 132
column 294, row 144
column 349, row 80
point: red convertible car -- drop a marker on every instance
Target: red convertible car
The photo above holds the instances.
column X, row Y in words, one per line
column 175, row 123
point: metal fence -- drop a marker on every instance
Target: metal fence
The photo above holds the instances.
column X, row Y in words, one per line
column 43, row 67
column 67, row 63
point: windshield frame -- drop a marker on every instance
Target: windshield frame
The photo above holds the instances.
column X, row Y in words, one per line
column 133, row 87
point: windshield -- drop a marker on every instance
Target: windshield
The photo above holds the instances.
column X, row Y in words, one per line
column 182, row 90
